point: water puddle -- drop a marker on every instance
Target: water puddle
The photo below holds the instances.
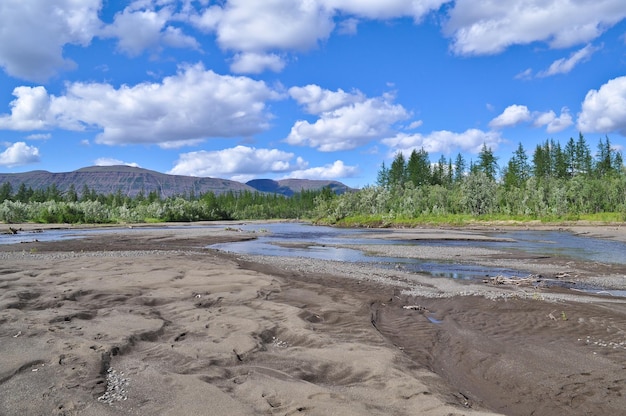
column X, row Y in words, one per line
column 433, row 320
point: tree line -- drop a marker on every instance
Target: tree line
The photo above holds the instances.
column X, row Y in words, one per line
column 557, row 182
column 50, row 205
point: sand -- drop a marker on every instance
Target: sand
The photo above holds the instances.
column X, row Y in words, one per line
column 150, row 322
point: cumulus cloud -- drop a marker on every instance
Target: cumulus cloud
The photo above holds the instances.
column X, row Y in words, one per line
column 604, row 110
column 553, row 123
column 444, row 141
column 317, row 100
column 563, row 66
column 388, row 9
column 512, row 115
column 35, row 32
column 346, row 120
column 183, row 109
column 251, row 26
column 236, row 162
column 488, row 27
column 146, row 28
column 255, row 63
column 335, row 170
column 517, row 114
column 29, row 111
column 18, row 154
column 108, row 161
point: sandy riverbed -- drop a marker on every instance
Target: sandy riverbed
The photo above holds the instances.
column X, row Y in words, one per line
column 151, row 322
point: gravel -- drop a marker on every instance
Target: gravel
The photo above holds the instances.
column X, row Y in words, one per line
column 414, row 284
column 117, row 386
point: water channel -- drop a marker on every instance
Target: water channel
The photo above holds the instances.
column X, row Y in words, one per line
column 319, row 242
column 303, row 240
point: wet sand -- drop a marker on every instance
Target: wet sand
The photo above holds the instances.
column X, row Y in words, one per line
column 151, row 322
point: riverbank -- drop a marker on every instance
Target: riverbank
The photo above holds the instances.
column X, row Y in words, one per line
column 151, row 322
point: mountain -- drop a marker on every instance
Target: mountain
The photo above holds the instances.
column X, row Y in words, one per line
column 289, row 187
column 131, row 181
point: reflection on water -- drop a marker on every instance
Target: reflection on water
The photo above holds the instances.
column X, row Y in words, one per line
column 561, row 244
column 31, row 236
column 303, row 240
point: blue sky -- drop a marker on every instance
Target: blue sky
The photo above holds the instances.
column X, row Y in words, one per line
column 317, row 89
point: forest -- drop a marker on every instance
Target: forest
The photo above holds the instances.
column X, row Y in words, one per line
column 557, row 183
column 51, row 206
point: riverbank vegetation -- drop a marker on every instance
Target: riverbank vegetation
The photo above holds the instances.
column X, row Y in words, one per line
column 51, row 206
column 557, row 183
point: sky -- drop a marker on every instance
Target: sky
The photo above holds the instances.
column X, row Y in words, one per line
column 315, row 89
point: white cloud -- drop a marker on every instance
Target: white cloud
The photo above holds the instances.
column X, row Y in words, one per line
column 563, row 66
column 489, row 27
column 348, row 26
column 512, row 115
column 138, row 29
column 107, row 161
column 335, row 170
column 34, row 33
column 525, row 74
column 235, row 162
column 19, row 154
column 516, row 114
column 389, row 9
column 39, row 136
column 175, row 38
column 252, row 26
column 255, row 63
column 317, row 100
column 604, row 110
column 415, row 124
column 553, row 123
column 29, row 111
column 444, row 141
column 346, row 121
column 183, row 109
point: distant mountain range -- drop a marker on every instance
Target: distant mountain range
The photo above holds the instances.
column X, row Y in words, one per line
column 131, row 181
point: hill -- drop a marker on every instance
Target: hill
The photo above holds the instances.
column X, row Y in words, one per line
column 131, row 181
column 290, row 186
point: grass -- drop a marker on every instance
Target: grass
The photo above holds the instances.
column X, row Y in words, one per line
column 459, row 220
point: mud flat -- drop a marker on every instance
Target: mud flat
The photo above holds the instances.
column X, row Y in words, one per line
column 152, row 322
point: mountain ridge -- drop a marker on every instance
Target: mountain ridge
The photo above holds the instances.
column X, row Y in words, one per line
column 131, row 181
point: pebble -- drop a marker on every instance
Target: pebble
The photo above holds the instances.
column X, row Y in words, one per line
column 116, row 388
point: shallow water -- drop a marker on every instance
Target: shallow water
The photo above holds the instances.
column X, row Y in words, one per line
column 278, row 239
column 318, row 242
column 559, row 243
column 30, row 236
column 303, row 240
